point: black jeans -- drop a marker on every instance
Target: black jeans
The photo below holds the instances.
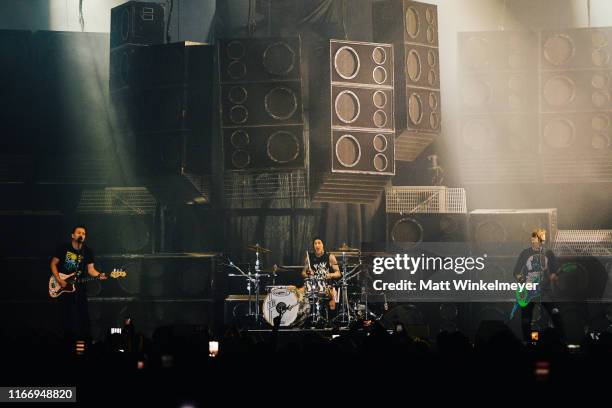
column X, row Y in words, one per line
column 75, row 315
column 552, row 310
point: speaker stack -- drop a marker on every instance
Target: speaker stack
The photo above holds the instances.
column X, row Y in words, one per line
column 262, row 121
column 352, row 149
column 498, row 134
column 576, row 69
column 412, row 28
column 134, row 25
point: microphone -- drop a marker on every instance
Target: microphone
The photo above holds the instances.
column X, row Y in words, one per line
column 80, row 239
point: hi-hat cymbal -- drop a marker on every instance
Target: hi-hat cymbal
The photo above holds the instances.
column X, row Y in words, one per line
column 346, row 248
column 258, row 248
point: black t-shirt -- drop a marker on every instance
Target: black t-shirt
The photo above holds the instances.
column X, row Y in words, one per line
column 70, row 259
column 319, row 264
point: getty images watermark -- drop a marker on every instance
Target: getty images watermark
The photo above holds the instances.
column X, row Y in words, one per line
column 433, row 274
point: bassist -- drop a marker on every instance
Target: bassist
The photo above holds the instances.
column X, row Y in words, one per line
column 537, row 264
column 75, row 258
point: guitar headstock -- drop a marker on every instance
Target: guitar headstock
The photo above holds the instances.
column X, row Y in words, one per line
column 118, row 273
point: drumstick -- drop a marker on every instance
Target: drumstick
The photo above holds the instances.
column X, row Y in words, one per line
column 308, row 259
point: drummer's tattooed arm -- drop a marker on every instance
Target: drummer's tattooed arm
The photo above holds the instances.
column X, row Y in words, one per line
column 335, row 274
column 306, row 271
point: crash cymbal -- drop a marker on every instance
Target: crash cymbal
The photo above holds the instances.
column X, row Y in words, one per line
column 258, row 248
column 346, row 248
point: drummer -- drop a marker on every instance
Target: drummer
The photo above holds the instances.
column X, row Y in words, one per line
column 324, row 265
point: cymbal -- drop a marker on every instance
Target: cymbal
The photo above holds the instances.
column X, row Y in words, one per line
column 274, row 269
column 345, row 253
column 258, row 248
column 346, row 248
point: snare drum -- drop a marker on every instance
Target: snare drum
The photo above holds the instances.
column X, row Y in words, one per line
column 285, row 298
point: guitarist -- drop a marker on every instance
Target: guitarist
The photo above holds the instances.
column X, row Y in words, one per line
column 538, row 264
column 75, row 258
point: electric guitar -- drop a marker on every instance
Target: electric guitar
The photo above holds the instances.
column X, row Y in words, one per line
column 524, row 296
column 55, row 289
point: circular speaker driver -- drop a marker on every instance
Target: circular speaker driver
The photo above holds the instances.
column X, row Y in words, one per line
column 407, row 230
column 559, row 133
column 348, row 151
column 279, row 59
column 283, row 147
column 240, row 139
column 347, row 63
column 281, row 103
column 347, row 106
column 241, row 159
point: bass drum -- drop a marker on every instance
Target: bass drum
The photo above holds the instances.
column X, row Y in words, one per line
column 289, row 299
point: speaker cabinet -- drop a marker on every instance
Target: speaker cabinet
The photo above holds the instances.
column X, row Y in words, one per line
column 493, row 92
column 125, row 67
column 575, row 133
column 261, row 104
column 352, row 147
column 278, row 147
column 260, row 59
column 499, row 135
column 564, row 91
column 412, row 28
column 576, row 48
column 403, row 229
column 137, row 22
column 508, row 232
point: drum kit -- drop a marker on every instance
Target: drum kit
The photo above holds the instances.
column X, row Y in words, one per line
column 309, row 306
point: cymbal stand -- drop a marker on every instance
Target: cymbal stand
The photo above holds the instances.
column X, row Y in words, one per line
column 252, row 284
column 345, row 317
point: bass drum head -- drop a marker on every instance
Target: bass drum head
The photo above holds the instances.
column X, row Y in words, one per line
column 281, row 295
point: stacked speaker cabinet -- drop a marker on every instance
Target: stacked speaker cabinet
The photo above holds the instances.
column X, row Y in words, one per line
column 576, row 69
column 498, row 131
column 412, row 28
column 137, row 22
column 425, row 215
column 508, row 231
column 352, row 146
column 261, row 104
column 134, row 26
column 162, row 95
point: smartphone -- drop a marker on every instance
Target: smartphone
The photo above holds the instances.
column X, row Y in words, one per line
column 213, row 348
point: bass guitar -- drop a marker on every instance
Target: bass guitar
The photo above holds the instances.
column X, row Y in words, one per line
column 55, row 289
